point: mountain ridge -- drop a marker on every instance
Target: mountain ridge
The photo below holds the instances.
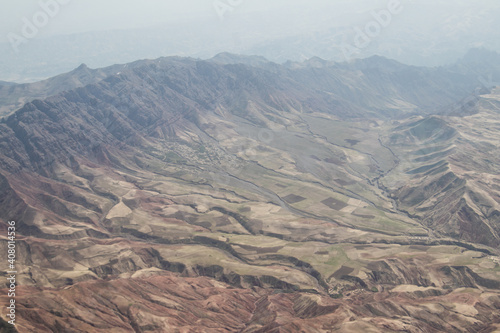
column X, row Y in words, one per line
column 293, row 192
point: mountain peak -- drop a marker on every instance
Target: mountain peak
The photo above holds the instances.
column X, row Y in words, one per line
column 317, row 62
column 82, row 67
column 227, row 58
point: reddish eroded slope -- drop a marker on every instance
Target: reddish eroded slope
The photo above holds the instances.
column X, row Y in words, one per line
column 154, row 301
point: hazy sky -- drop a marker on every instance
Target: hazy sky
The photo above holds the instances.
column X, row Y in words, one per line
column 424, row 32
column 91, row 15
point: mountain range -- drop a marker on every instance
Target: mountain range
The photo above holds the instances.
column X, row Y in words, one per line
column 239, row 195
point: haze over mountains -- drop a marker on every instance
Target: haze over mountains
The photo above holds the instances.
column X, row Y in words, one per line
column 424, row 33
column 477, row 70
column 237, row 194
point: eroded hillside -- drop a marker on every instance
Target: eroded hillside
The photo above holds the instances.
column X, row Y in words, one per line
column 179, row 195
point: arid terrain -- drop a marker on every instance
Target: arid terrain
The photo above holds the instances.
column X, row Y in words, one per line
column 239, row 195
